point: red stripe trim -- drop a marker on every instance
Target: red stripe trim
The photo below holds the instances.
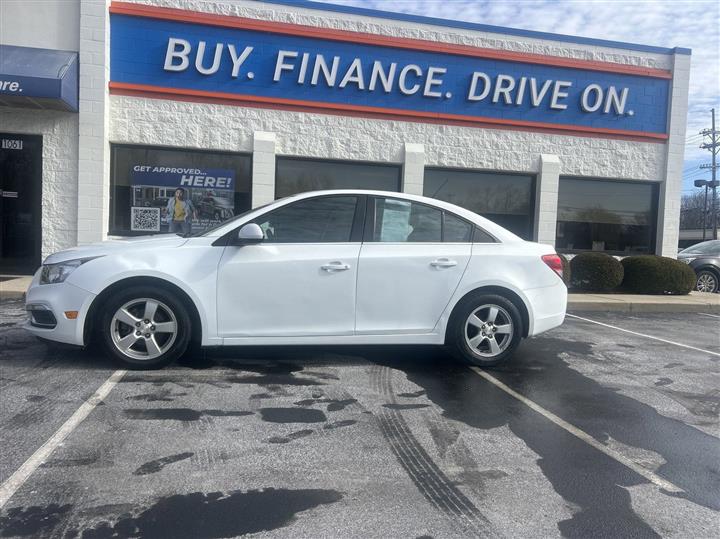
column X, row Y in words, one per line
column 228, row 21
column 182, row 94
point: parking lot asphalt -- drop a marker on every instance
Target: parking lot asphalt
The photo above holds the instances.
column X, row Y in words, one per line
column 371, row 442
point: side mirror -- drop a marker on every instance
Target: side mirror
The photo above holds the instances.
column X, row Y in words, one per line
column 250, row 233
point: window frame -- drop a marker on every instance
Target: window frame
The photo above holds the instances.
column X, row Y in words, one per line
column 654, row 208
column 369, row 228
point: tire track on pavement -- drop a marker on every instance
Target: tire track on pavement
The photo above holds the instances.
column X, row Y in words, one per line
column 429, row 479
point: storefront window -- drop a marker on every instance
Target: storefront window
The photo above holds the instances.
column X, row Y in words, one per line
column 156, row 190
column 506, row 199
column 295, row 175
column 602, row 215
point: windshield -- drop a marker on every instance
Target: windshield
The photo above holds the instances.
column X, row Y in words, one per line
column 711, row 247
column 239, row 216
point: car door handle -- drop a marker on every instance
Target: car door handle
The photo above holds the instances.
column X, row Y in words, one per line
column 443, row 263
column 335, row 266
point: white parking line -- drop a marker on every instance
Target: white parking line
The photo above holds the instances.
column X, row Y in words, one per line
column 582, row 435
column 22, row 474
column 710, row 315
column 645, row 335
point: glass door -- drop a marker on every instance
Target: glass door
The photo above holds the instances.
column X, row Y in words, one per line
column 20, row 196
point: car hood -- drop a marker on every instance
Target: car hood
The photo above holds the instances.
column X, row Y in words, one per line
column 117, row 245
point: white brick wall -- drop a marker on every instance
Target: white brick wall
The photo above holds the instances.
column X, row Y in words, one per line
column 59, row 170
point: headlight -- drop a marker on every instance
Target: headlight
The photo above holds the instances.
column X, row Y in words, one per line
column 686, row 260
column 57, row 273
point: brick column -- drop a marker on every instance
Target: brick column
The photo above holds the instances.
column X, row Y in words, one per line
column 668, row 223
column 413, row 169
column 263, row 168
column 93, row 148
column 546, row 199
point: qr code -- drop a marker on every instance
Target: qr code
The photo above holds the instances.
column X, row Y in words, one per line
column 145, row 219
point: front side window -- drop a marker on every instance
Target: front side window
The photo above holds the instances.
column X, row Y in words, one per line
column 293, row 175
column 317, row 220
column 603, row 215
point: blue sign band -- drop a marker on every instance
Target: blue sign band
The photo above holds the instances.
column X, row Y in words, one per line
column 232, row 61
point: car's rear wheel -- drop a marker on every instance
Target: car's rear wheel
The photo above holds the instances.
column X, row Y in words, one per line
column 145, row 328
column 485, row 330
column 707, row 281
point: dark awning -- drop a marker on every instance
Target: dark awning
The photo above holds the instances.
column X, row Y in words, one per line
column 38, row 78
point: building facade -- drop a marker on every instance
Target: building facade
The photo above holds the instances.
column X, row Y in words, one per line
column 565, row 140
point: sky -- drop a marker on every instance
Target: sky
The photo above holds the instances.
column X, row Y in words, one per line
column 693, row 24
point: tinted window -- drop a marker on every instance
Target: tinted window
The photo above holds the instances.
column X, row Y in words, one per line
column 318, row 220
column 143, row 179
column 403, row 221
column 505, row 199
column 483, row 237
column 603, row 215
column 294, row 176
column 455, row 229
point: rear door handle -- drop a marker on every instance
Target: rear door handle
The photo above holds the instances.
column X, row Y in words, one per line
column 443, row 263
column 335, row 266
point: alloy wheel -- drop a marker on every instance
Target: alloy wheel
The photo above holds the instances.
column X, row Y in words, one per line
column 488, row 331
column 707, row 282
column 143, row 329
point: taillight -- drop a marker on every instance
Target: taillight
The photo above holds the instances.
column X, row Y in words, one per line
column 554, row 262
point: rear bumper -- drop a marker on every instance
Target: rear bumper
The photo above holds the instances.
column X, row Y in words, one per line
column 52, row 301
column 548, row 307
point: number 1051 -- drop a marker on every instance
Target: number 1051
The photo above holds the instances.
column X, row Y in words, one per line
column 12, row 144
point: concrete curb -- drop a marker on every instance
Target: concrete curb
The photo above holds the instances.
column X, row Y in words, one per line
column 695, row 302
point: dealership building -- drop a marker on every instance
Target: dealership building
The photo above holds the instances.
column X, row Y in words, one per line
column 106, row 108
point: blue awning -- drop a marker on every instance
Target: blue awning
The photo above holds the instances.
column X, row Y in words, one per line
column 38, row 78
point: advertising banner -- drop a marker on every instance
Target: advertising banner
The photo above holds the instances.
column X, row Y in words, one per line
column 180, row 199
column 238, row 63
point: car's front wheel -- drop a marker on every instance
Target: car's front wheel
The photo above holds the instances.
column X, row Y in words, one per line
column 145, row 328
column 485, row 330
column 707, row 281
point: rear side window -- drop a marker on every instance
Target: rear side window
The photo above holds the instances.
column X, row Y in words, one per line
column 456, row 230
column 404, row 221
column 318, row 220
column 481, row 236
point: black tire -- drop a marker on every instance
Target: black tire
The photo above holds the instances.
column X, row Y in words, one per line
column 459, row 326
column 710, row 278
column 110, row 328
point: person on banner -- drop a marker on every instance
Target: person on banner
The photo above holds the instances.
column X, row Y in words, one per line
column 180, row 213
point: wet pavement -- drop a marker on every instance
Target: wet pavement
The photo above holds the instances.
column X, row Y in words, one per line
column 372, row 442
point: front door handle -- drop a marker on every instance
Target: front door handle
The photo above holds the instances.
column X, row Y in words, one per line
column 443, row 263
column 335, row 266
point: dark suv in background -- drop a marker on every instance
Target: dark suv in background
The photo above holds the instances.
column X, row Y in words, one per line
column 704, row 258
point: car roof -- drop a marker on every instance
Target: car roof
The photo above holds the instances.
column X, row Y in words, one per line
column 496, row 230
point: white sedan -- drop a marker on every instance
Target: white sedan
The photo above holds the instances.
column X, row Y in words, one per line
column 321, row 268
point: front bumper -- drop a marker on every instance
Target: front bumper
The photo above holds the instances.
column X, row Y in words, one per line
column 48, row 304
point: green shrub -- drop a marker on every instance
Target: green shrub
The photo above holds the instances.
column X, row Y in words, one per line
column 567, row 272
column 650, row 274
column 597, row 272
